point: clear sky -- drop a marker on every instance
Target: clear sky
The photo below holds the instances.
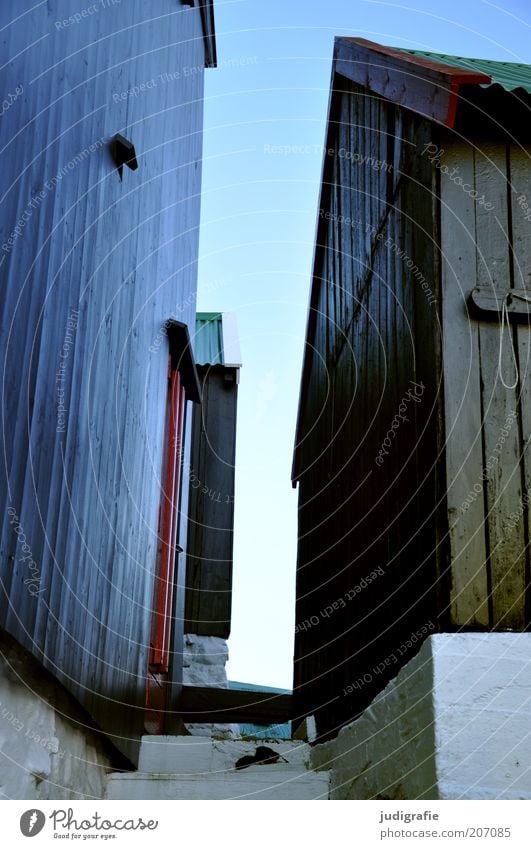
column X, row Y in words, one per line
column 257, row 231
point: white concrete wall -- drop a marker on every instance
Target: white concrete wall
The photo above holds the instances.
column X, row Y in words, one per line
column 482, row 709
column 454, row 724
column 389, row 752
column 204, row 662
column 46, row 750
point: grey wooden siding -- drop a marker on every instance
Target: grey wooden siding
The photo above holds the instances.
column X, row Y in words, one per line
column 123, row 255
column 211, row 505
column 487, row 421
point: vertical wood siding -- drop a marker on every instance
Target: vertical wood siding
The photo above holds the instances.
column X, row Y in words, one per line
column 211, row 512
column 376, row 337
column 487, row 422
column 123, row 256
column 444, row 513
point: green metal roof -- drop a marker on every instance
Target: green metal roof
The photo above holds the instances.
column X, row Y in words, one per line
column 216, row 341
column 510, row 75
column 257, row 688
column 208, row 339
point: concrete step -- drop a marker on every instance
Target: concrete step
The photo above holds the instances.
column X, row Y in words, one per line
column 204, row 768
column 275, row 781
column 189, row 756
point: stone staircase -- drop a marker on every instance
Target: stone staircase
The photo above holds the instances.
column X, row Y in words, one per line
column 204, row 768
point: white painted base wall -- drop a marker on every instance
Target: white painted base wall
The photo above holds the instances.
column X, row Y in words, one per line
column 454, row 724
column 46, row 752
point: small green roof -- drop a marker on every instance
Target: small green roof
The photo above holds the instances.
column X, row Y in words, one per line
column 215, row 341
column 510, row 75
column 208, row 339
column 257, row 688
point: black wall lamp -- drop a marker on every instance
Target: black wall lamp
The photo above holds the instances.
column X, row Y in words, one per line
column 123, row 152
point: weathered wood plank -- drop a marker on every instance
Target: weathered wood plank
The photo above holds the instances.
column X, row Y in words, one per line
column 462, row 398
column 520, row 186
column 501, row 439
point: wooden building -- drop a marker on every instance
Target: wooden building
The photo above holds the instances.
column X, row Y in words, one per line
column 100, row 188
column 412, row 452
column 209, row 474
column 212, row 477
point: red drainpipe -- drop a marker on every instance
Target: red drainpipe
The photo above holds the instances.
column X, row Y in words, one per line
column 158, row 678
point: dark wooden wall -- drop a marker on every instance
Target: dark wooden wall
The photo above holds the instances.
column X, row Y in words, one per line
column 374, row 345
column 211, row 505
column 123, row 256
column 416, row 522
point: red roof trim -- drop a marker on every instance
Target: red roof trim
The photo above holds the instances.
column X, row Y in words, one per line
column 469, row 77
column 428, row 87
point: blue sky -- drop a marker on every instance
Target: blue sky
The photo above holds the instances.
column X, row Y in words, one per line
column 257, row 230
